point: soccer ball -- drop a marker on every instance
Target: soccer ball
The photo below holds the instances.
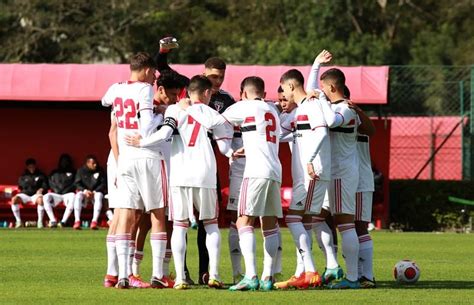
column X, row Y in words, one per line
column 406, row 272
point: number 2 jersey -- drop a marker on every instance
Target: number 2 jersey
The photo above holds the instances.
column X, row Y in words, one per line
column 260, row 127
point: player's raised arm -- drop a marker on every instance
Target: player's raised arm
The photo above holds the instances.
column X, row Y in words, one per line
column 323, row 57
column 332, row 118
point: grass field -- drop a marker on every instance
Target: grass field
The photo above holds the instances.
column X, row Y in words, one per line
column 65, row 267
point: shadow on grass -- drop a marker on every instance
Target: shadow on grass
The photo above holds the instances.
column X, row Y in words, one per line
column 427, row 285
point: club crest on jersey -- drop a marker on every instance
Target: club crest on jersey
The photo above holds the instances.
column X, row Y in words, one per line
column 218, row 105
column 37, row 178
column 96, row 175
column 69, row 174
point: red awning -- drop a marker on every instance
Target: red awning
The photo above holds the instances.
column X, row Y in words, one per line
column 88, row 82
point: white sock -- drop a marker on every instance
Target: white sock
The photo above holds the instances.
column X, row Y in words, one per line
column 40, row 210
column 234, row 249
column 325, row 242
column 49, row 210
column 158, row 249
column 97, row 207
column 299, row 263
column 137, row 260
column 78, row 207
column 277, row 264
column 178, row 246
column 213, row 245
column 112, row 265
column 16, row 212
column 308, row 226
column 301, row 240
column 131, row 252
column 350, row 249
column 166, row 262
column 248, row 247
column 366, row 252
column 109, row 214
column 68, row 211
column 122, row 245
column 270, row 249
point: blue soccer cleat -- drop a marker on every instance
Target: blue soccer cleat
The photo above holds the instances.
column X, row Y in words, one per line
column 344, row 284
column 246, row 284
column 330, row 275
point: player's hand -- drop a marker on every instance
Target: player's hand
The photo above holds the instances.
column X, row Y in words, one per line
column 167, row 44
column 88, row 194
column 239, row 153
column 39, row 191
column 352, row 105
column 133, row 140
column 184, row 103
column 324, row 57
column 311, row 172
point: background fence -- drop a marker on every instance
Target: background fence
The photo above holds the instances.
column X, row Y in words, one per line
column 431, row 133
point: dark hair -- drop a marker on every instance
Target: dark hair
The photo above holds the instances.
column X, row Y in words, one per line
column 140, row 61
column 170, row 80
column 68, row 160
column 255, row 82
column 30, row 161
column 347, row 92
column 199, row 84
column 280, row 89
column 215, row 63
column 93, row 157
column 336, row 76
column 184, row 81
column 292, row 74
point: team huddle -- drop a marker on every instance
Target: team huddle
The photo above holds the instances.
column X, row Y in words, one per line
column 162, row 176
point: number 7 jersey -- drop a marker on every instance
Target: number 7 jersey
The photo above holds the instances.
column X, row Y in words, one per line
column 260, row 126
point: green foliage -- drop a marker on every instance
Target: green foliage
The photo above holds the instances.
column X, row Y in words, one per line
column 423, row 205
column 246, row 31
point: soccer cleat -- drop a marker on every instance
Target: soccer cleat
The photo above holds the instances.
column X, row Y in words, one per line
column 181, row 286
column 164, row 282
column 237, row 278
column 168, row 43
column 61, row 225
column 306, row 280
column 17, row 224
column 366, row 283
column 53, row 224
column 203, row 278
column 40, row 225
column 246, row 284
column 215, row 283
column 330, row 275
column 188, row 278
column 344, row 284
column 77, row 225
column 284, row 284
column 266, row 285
column 123, row 284
column 137, row 282
column 110, row 281
column 94, row 225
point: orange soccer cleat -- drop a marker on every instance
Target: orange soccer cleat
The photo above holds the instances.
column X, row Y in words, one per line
column 306, row 280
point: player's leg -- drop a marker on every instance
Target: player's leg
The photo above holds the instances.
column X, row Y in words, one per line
column 78, row 204
column 158, row 241
column 366, row 246
column 15, row 205
column 111, row 278
column 135, row 282
column 97, row 206
column 49, row 203
column 233, row 237
column 277, row 267
column 168, row 252
column 38, row 200
column 144, row 227
column 69, row 203
column 123, row 237
column 203, row 254
column 179, row 212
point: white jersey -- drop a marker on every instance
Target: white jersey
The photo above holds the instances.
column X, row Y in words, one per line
column 366, row 175
column 193, row 163
column 311, row 139
column 129, row 100
column 260, row 126
column 345, row 161
column 287, row 126
column 237, row 167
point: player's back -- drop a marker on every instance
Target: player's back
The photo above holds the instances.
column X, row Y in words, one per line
column 260, row 126
column 345, row 161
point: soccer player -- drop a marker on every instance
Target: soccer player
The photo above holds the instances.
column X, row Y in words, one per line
column 62, row 188
column 191, row 151
column 32, row 185
column 90, row 185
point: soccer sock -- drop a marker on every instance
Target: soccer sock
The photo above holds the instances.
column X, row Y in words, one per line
column 366, row 252
column 277, row 263
column 213, row 245
column 299, row 263
column 301, row 240
column 350, row 249
column 203, row 254
column 111, row 256
column 122, row 245
column 308, row 226
column 109, row 214
column 158, row 248
column 178, row 246
column 325, row 241
column 166, row 262
column 137, row 260
column 248, row 247
column 16, row 212
column 68, row 211
column 77, row 208
column 97, row 209
column 234, row 249
column 40, row 210
column 49, row 210
column 131, row 252
column 270, row 246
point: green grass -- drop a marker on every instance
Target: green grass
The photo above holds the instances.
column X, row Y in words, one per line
column 65, row 267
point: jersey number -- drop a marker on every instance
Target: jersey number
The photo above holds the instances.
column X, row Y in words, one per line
column 126, row 108
column 194, row 134
column 271, row 127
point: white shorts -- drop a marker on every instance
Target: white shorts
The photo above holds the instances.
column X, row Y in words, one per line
column 25, row 199
column 183, row 198
column 364, row 206
column 342, row 195
column 260, row 197
column 142, row 185
column 234, row 193
column 111, row 184
column 54, row 199
column 310, row 196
